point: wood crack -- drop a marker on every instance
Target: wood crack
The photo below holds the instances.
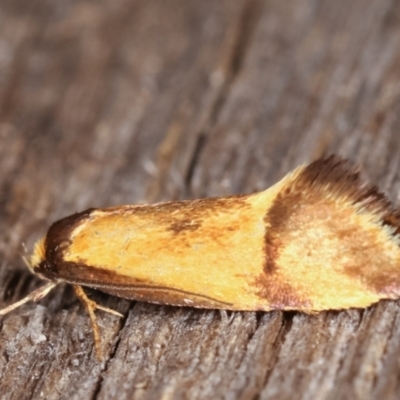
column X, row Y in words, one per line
column 112, row 354
column 243, row 32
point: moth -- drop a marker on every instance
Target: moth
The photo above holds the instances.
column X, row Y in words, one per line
column 319, row 239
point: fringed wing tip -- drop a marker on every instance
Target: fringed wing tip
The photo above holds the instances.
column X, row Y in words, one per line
column 339, row 179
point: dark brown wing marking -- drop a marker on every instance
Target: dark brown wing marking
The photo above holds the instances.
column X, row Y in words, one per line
column 327, row 178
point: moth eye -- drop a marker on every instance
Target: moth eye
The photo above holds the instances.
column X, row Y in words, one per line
column 44, row 266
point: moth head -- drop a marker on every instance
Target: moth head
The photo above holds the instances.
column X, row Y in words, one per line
column 37, row 257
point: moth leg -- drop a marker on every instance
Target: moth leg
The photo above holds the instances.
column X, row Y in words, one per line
column 90, row 306
column 226, row 317
column 106, row 309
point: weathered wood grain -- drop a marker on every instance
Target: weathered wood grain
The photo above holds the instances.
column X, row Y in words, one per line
column 126, row 101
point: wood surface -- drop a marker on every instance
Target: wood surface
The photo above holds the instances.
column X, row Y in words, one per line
column 130, row 101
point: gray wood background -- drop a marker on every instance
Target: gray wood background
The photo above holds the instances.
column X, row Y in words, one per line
column 127, row 101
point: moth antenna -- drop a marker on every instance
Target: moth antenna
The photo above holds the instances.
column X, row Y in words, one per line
column 26, row 261
column 24, row 247
column 23, row 256
column 36, row 295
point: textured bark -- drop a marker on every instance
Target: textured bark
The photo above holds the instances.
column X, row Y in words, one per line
column 128, row 101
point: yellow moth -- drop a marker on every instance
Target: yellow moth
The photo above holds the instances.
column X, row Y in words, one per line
column 319, row 239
